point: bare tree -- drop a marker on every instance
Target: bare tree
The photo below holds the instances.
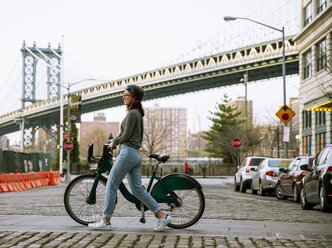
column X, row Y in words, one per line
column 155, row 136
column 270, row 135
column 98, row 136
column 156, row 131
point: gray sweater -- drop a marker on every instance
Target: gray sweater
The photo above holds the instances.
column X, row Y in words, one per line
column 131, row 133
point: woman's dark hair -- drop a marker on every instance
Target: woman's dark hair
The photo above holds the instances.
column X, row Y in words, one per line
column 138, row 106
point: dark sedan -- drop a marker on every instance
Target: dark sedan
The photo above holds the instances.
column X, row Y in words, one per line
column 290, row 181
column 317, row 183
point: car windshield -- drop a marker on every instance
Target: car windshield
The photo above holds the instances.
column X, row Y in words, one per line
column 256, row 161
column 274, row 163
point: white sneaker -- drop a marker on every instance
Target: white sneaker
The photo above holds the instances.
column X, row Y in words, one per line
column 162, row 223
column 101, row 225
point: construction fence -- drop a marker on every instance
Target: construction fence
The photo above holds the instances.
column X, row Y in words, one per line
column 21, row 162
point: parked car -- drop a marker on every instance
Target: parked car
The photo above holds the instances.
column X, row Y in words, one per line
column 317, row 183
column 242, row 178
column 290, row 180
column 265, row 177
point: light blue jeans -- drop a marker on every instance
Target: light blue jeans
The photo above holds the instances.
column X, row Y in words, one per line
column 127, row 163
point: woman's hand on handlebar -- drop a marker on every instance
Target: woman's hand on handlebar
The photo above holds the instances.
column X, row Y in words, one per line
column 111, row 145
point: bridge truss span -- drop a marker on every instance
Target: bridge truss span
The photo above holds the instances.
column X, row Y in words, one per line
column 260, row 61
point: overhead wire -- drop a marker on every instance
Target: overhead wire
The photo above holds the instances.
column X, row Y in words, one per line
column 10, row 100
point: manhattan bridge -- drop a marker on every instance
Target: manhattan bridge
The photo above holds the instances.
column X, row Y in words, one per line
column 244, row 48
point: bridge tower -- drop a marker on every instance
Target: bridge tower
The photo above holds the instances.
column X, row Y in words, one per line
column 52, row 59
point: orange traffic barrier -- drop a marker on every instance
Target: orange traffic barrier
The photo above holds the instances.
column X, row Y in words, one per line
column 3, row 183
column 51, row 180
column 26, row 181
column 19, row 182
column 57, row 177
column 11, row 182
column 22, row 181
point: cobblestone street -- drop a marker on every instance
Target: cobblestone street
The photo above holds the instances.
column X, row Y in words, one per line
column 80, row 240
column 222, row 203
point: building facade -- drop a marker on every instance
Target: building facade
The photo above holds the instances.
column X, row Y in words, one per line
column 96, row 131
column 241, row 104
column 165, row 131
column 294, row 142
column 315, row 70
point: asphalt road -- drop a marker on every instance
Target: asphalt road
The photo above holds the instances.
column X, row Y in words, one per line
column 231, row 219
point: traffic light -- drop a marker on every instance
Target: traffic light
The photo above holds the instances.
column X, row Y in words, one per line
column 75, row 108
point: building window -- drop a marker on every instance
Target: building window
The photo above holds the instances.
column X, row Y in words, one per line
column 307, row 64
column 320, row 141
column 307, row 145
column 320, row 118
column 321, row 55
column 306, row 119
column 321, row 5
column 307, row 14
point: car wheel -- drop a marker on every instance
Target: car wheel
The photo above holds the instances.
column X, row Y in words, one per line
column 323, row 203
column 242, row 187
column 296, row 195
column 279, row 193
column 236, row 187
column 304, row 204
column 261, row 190
column 253, row 191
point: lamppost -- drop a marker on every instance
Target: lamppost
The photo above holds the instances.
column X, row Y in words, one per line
column 232, row 18
column 68, row 176
column 61, row 109
column 245, row 81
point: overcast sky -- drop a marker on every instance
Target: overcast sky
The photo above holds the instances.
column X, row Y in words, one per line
column 106, row 39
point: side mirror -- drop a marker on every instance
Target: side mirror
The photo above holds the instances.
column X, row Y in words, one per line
column 282, row 170
column 253, row 169
column 238, row 167
column 304, row 167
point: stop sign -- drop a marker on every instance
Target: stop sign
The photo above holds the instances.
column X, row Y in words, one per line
column 236, row 143
column 68, row 146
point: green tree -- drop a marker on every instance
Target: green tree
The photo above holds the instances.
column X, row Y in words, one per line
column 226, row 126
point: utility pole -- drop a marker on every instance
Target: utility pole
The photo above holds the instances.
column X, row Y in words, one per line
column 68, row 177
column 245, row 81
column 61, row 110
column 245, row 96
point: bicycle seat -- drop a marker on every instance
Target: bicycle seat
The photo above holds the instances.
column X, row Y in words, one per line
column 162, row 157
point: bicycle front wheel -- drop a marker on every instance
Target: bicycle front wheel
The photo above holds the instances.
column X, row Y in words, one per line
column 190, row 196
column 76, row 195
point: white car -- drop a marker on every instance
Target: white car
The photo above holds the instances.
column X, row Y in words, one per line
column 242, row 178
column 265, row 177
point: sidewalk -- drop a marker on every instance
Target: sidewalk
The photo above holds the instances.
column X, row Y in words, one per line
column 210, row 227
column 20, row 227
column 61, row 231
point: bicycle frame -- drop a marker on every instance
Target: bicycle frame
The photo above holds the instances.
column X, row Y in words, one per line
column 105, row 164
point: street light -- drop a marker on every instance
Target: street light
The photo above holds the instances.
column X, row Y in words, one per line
column 232, row 18
column 245, row 80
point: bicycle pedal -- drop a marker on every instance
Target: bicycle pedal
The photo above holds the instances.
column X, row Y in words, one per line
column 142, row 220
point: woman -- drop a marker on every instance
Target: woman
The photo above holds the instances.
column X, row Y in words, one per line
column 129, row 162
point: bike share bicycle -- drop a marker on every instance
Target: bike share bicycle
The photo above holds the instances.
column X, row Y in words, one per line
column 178, row 194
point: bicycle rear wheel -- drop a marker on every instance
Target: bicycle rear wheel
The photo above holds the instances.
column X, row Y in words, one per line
column 190, row 195
column 76, row 195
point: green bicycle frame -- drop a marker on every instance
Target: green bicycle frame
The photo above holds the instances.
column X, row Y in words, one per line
column 106, row 165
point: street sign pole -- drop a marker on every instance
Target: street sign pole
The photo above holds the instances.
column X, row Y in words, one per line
column 285, row 114
column 68, row 176
column 236, row 143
